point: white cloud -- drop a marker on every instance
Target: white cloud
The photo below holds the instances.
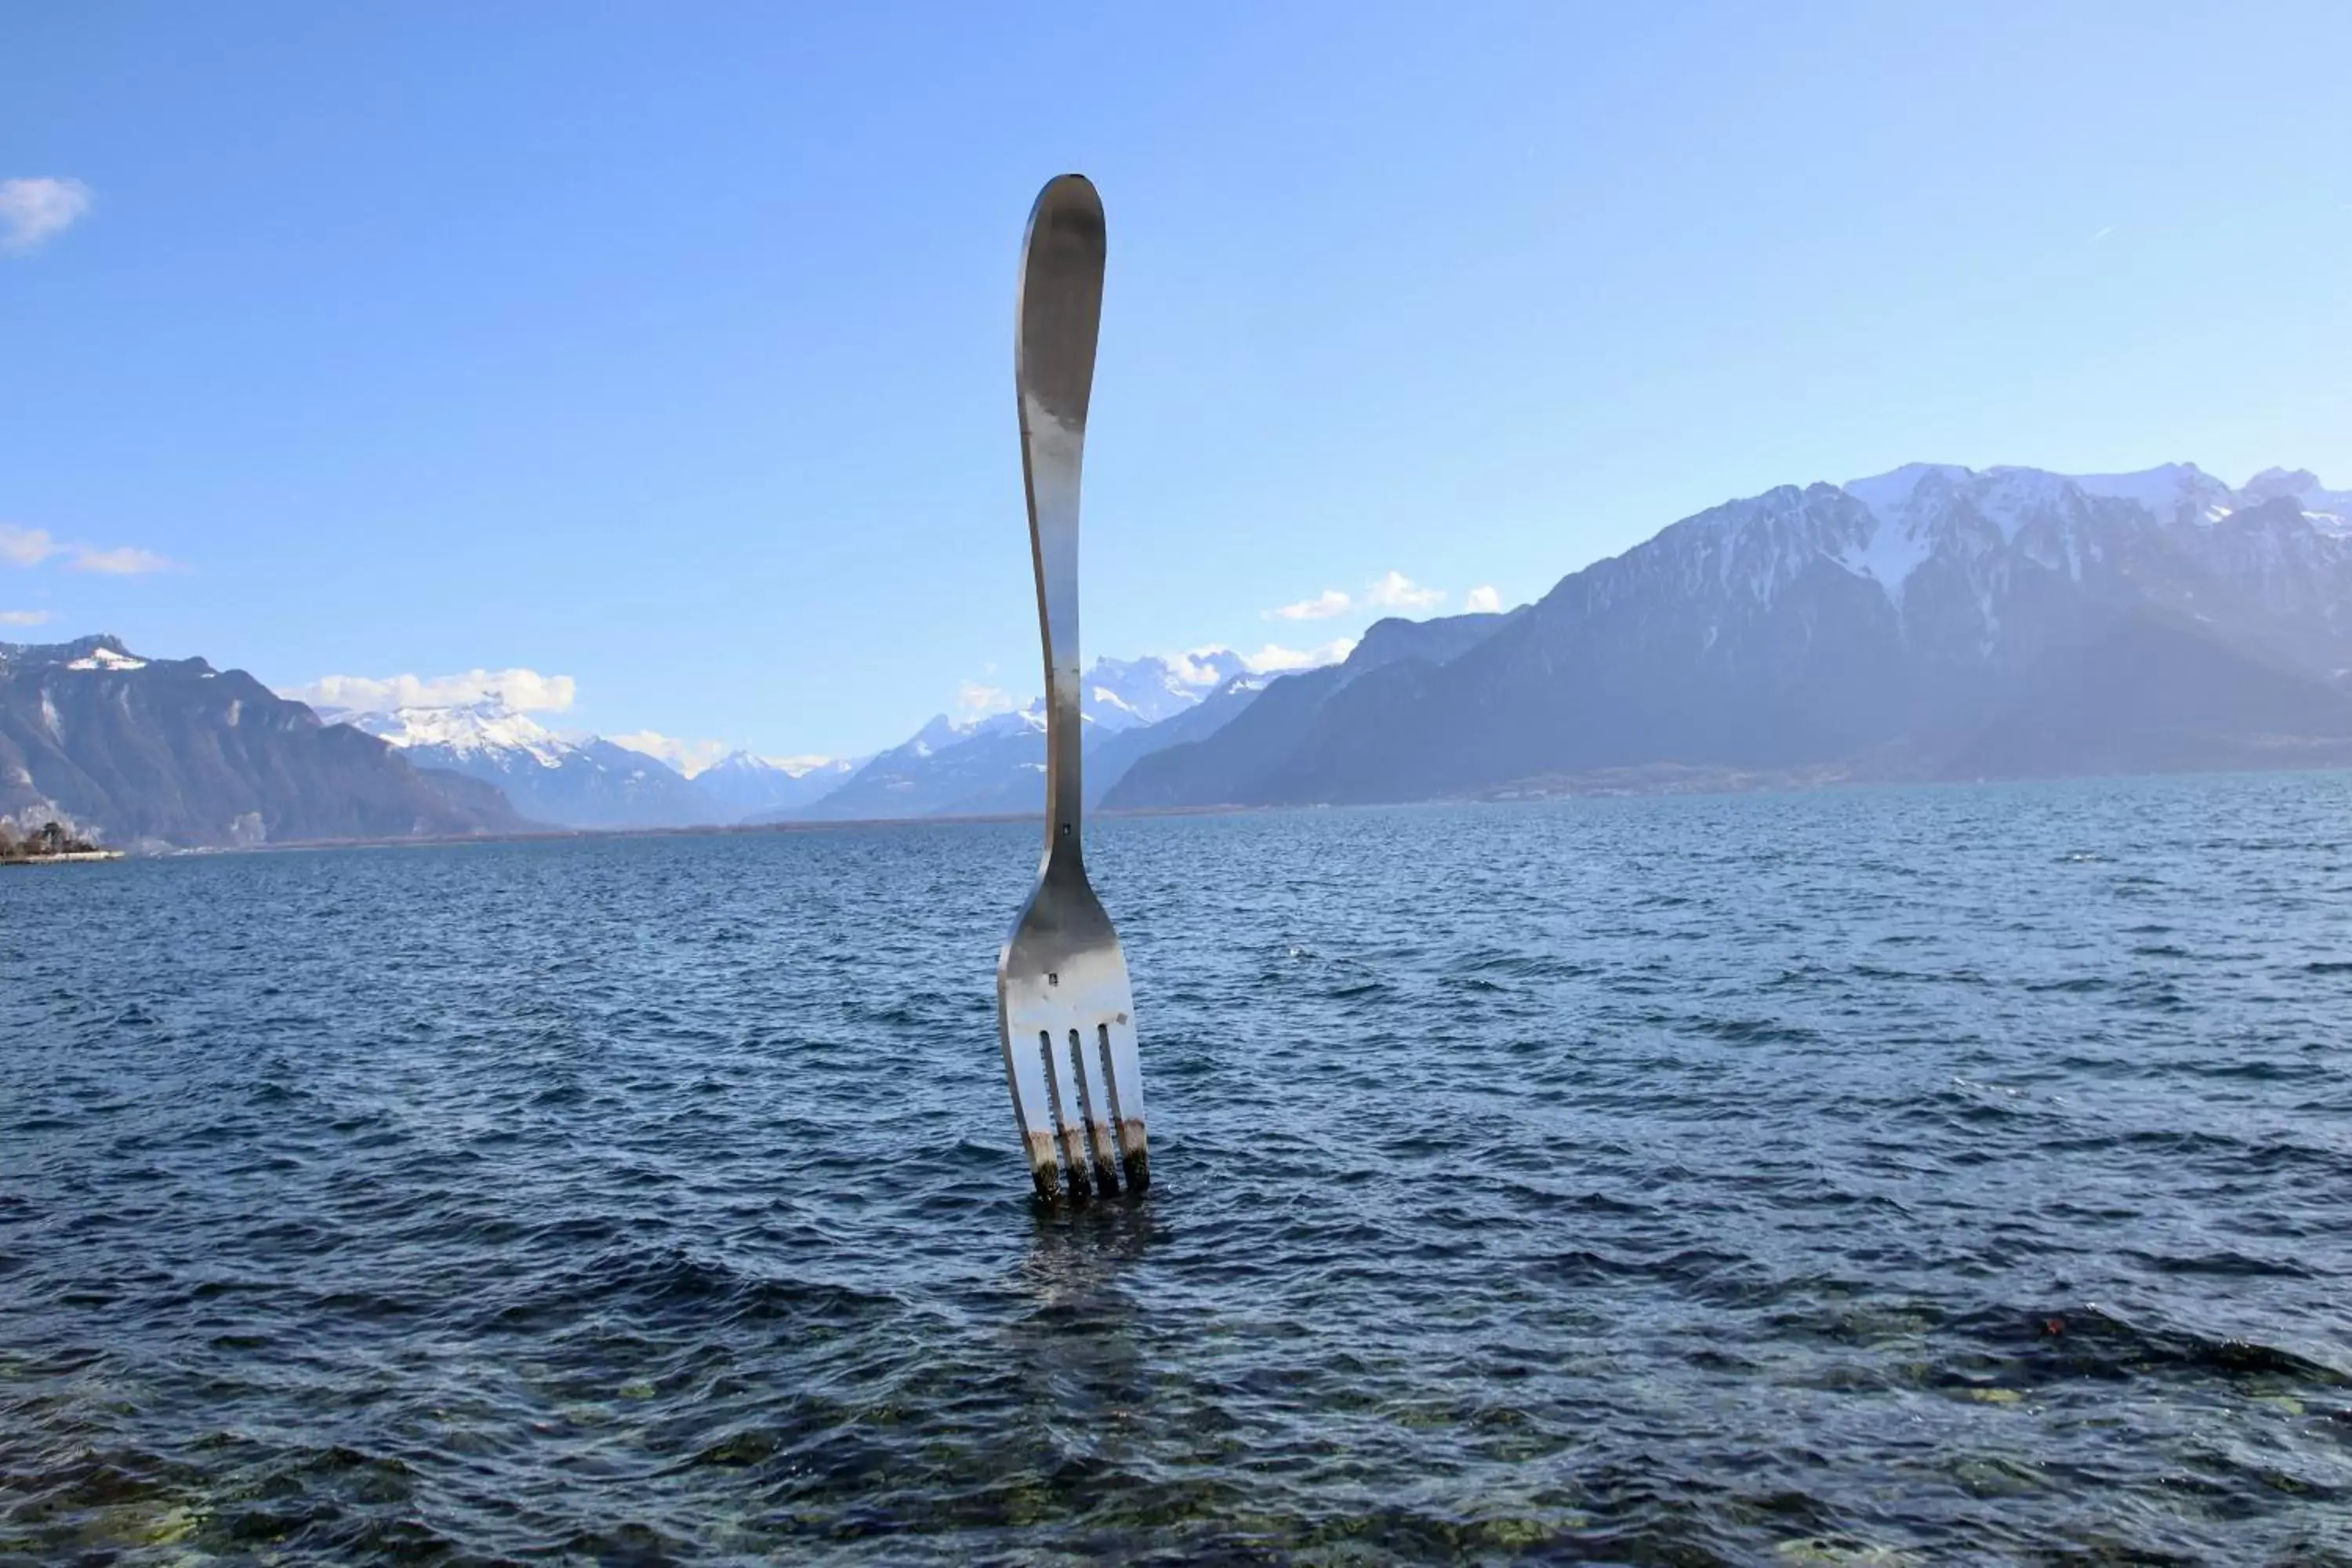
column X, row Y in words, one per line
column 1273, row 657
column 1321, row 608
column 25, row 618
column 975, row 700
column 1212, row 664
column 1197, row 668
column 122, row 560
column 21, row 546
column 1482, row 601
column 688, row 757
column 525, row 690
column 26, row 546
column 31, row 210
column 1392, row 591
column 805, row 764
column 1398, row 592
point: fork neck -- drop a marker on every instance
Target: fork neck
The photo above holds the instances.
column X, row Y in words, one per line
column 1055, row 453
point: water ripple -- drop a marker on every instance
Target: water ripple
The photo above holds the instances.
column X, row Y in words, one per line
column 1849, row 1178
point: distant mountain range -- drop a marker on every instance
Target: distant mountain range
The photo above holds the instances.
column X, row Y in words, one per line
column 996, row 765
column 571, row 783
column 138, row 751
column 975, row 767
column 741, row 786
column 1930, row 623
column 1221, row 763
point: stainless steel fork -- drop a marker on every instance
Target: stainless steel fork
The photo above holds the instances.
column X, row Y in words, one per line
column 1065, row 1013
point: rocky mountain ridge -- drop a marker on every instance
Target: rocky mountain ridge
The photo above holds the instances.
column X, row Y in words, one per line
column 996, row 766
column 1932, row 622
column 1897, row 627
column 591, row 783
column 135, row 752
column 984, row 765
column 744, row 785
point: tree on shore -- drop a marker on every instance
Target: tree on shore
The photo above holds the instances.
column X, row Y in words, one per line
column 50, row 839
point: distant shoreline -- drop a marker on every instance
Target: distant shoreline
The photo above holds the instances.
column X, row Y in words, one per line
column 695, row 830
column 1602, row 784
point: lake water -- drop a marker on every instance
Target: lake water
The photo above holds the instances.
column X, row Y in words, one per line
column 1853, row 1177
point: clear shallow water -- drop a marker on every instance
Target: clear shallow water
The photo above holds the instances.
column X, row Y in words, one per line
column 1844, row 1178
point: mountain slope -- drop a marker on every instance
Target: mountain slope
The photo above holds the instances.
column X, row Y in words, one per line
column 587, row 784
column 1111, row 760
column 1247, row 753
column 1131, row 693
column 1882, row 625
column 175, row 751
column 741, row 786
column 996, row 766
column 986, row 767
column 2153, row 696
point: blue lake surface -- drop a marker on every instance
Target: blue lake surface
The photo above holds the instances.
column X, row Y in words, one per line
column 1853, row 1177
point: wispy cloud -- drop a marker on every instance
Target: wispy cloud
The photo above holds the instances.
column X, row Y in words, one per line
column 1391, row 591
column 1321, row 608
column 2104, row 233
column 526, row 690
column 25, row 618
column 806, row 762
column 688, row 757
column 1273, row 657
column 1208, row 666
column 1482, row 601
column 122, row 560
column 1214, row 663
column 975, row 700
column 32, row 211
column 26, row 546
column 1398, row 592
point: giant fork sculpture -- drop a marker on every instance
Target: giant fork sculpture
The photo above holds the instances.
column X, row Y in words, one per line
column 1064, row 1012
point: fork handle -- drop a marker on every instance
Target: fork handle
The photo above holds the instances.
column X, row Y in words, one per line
column 1053, row 374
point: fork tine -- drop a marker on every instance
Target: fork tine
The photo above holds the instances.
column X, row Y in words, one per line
column 1088, row 1071
column 1114, row 1048
column 1033, row 1108
column 1067, row 1119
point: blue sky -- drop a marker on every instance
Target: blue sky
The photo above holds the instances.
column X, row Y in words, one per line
column 666, row 352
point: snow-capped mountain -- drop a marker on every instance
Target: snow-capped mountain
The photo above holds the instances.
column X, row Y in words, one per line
column 172, row 751
column 2329, row 509
column 1253, row 722
column 570, row 784
column 1127, row 693
column 485, row 728
column 996, row 765
column 1108, row 763
column 980, row 767
column 1930, row 621
column 1998, row 565
column 742, row 784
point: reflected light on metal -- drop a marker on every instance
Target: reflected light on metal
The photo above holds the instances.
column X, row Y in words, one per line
column 1065, row 1014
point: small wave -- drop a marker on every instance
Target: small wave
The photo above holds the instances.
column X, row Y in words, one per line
column 1617, row 1199
column 2088, row 1341
column 1756, row 1031
column 2226, row 1263
column 665, row 1285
